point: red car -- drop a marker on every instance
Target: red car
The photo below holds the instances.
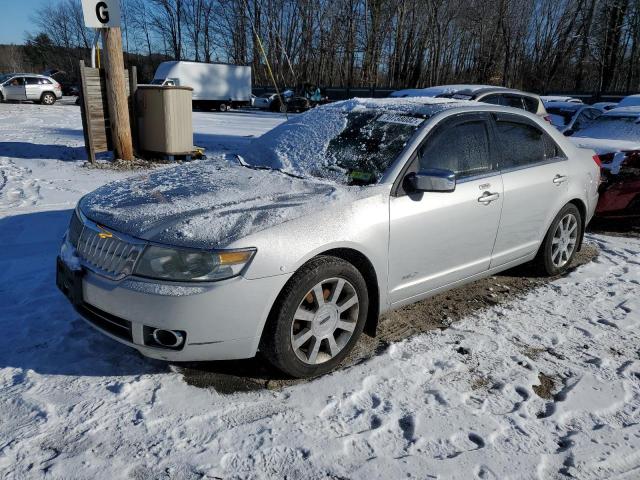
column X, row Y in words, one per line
column 615, row 136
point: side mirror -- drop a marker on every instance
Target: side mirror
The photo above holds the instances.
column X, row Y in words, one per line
column 431, row 180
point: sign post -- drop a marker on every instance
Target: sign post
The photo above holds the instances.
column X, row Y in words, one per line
column 105, row 14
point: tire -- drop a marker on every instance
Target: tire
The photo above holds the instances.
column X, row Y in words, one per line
column 48, row 98
column 298, row 333
column 1, row 98
column 561, row 242
column 222, row 107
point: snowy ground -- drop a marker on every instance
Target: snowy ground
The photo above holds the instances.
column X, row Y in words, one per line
column 464, row 402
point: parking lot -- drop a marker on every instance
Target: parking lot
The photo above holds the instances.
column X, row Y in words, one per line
column 511, row 372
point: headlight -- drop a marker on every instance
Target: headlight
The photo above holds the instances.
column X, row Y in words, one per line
column 191, row 265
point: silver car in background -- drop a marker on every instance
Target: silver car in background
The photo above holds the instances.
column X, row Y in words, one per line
column 29, row 87
column 323, row 224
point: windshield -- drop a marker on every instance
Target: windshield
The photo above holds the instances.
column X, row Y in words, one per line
column 157, row 81
column 352, row 147
column 612, row 127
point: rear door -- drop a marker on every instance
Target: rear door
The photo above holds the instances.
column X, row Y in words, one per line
column 33, row 88
column 536, row 180
column 14, row 89
column 437, row 238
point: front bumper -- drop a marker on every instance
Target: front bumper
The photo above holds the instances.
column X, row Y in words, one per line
column 222, row 320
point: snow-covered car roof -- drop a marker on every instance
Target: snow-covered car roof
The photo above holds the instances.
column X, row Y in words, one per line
column 559, row 98
column 438, row 90
column 630, row 101
column 565, row 105
column 624, row 111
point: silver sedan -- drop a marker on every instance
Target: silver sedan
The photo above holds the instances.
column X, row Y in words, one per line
column 296, row 246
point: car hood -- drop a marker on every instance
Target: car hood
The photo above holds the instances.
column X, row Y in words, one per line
column 207, row 204
column 602, row 146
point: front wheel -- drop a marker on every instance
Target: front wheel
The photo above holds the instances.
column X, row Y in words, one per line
column 318, row 318
column 48, row 99
column 223, row 107
column 561, row 241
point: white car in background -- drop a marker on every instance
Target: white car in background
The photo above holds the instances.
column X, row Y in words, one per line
column 30, row 87
column 263, row 101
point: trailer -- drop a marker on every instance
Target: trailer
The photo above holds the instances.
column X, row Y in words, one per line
column 218, row 86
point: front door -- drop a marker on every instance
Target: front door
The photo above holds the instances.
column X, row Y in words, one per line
column 14, row 89
column 437, row 238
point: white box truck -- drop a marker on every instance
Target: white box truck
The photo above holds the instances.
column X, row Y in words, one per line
column 215, row 85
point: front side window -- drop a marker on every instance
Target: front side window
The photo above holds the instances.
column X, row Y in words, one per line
column 524, row 145
column 462, row 148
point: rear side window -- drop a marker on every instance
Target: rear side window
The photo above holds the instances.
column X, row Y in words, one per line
column 530, row 104
column 513, row 101
column 494, row 100
column 461, row 148
column 524, row 145
column 45, row 81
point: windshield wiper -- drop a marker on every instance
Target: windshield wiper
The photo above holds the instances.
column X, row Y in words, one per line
column 260, row 167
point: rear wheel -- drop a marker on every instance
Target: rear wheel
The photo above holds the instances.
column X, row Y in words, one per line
column 561, row 241
column 318, row 318
column 223, row 107
column 48, row 98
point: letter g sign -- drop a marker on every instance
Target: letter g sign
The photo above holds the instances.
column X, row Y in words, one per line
column 102, row 12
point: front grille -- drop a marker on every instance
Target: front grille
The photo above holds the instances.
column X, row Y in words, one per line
column 107, row 253
column 75, row 229
column 116, row 326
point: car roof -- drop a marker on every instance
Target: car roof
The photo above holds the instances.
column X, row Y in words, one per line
column 23, row 74
column 486, row 90
column 567, row 105
column 624, row 112
column 437, row 90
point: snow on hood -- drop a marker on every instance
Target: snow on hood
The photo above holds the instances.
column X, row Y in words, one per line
column 206, row 204
column 299, row 146
column 604, row 145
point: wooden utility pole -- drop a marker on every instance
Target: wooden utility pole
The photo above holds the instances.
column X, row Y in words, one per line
column 117, row 94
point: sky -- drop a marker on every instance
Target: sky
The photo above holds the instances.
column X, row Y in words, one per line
column 15, row 19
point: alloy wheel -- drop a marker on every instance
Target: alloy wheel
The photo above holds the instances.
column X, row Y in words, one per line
column 564, row 240
column 324, row 321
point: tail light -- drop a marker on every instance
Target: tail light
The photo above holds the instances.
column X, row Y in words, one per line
column 547, row 118
column 596, row 159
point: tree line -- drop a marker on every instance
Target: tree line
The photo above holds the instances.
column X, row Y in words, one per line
column 537, row 45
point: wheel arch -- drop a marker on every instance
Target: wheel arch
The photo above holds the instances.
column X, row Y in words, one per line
column 368, row 272
column 582, row 208
column 362, row 263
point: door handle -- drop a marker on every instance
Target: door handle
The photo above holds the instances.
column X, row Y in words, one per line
column 560, row 179
column 488, row 197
